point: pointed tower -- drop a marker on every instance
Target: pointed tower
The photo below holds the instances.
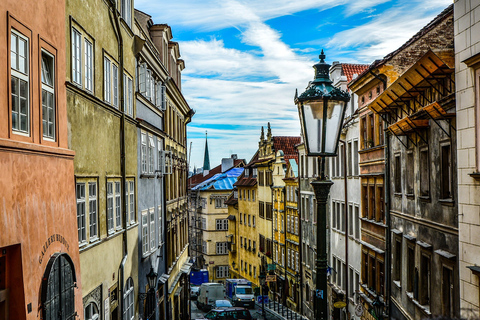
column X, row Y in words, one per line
column 206, row 158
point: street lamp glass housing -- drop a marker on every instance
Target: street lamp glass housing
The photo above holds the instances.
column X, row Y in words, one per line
column 151, row 278
column 322, row 109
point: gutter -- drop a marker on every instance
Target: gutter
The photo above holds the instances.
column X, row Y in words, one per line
column 118, row 35
column 388, row 235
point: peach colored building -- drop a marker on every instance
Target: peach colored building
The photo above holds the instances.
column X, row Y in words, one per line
column 39, row 259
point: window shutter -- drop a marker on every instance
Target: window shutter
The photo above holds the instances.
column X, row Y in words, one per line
column 157, row 94
column 168, row 162
column 163, row 97
column 162, row 162
column 142, row 78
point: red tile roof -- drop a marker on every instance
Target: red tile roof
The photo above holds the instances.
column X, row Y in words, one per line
column 198, row 178
column 350, row 69
column 287, row 145
column 249, row 181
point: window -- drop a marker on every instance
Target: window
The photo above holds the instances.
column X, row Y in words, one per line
column 357, row 222
column 253, row 194
column 269, row 211
column 397, row 262
column 144, row 152
column 128, row 95
column 160, row 226
column 126, row 11
column 128, row 301
column 76, row 56
column 446, row 172
column 145, row 241
column 222, row 272
column 91, row 312
column 115, row 85
column 204, row 224
column 221, row 224
column 349, row 159
column 118, row 206
column 20, row 83
column 397, row 174
column 82, row 233
column 151, row 214
column 425, row 278
column 380, row 204
column 253, row 221
column 447, row 292
column 110, row 222
column 355, row 158
column 88, row 65
column 261, row 208
column 424, row 173
column 221, row 248
column 350, row 220
column 92, row 209
column 204, row 247
column 107, row 81
column 410, row 267
column 410, row 172
column 130, row 198
column 249, row 224
column 48, row 95
column 151, row 155
column 58, row 288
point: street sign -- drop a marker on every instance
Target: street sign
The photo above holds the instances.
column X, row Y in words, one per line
column 262, row 298
column 271, row 266
column 319, row 293
column 271, row 278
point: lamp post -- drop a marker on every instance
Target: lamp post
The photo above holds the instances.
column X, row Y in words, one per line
column 150, row 295
column 378, row 308
column 322, row 109
column 262, row 284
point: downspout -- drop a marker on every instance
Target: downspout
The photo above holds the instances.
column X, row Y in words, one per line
column 344, row 154
column 388, row 236
column 299, row 212
column 118, row 35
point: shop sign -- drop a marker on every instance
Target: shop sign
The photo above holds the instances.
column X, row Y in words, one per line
column 271, row 278
column 339, row 305
column 53, row 238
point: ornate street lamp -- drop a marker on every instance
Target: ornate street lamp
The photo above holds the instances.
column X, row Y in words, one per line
column 152, row 279
column 150, row 295
column 322, row 109
column 378, row 308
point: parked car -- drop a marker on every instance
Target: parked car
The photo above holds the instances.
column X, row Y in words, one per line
column 194, row 292
column 233, row 313
column 220, row 304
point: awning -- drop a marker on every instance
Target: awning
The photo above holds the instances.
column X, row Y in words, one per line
column 407, row 125
column 184, row 269
column 433, row 110
column 424, row 74
column 163, row 278
column 445, row 254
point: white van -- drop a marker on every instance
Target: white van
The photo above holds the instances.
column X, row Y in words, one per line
column 209, row 292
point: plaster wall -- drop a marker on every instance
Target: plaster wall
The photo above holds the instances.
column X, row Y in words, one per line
column 467, row 45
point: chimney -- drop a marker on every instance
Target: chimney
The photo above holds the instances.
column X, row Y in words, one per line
column 227, row 163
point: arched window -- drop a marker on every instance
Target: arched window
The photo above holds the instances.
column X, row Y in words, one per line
column 58, row 285
column 91, row 311
column 128, row 298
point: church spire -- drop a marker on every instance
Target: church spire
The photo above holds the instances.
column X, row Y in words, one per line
column 206, row 158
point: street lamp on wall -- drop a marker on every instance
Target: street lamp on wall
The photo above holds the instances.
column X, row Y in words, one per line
column 150, row 294
column 321, row 109
column 378, row 308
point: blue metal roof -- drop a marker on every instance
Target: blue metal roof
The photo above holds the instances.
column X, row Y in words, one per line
column 220, row 181
column 294, row 166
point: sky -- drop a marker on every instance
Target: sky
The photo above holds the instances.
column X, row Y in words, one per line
column 244, row 59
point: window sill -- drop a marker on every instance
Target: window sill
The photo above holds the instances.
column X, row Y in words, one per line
column 397, row 284
column 398, row 194
column 147, row 175
column 425, row 198
column 447, row 202
column 424, row 308
column 410, row 196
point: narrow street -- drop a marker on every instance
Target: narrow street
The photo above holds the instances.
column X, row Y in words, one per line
column 256, row 312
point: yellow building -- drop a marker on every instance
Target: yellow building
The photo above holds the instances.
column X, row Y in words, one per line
column 211, row 193
column 252, row 230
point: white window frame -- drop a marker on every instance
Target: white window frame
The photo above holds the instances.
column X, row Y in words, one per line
column 221, row 248
column 161, row 157
column 91, row 313
column 48, row 111
column 88, row 65
column 92, row 211
column 131, row 200
column 144, row 152
column 15, row 72
column 81, row 213
column 151, row 154
column 160, row 226
column 118, row 205
column 126, row 11
column 115, row 85
column 129, row 300
column 107, row 94
column 145, row 233
column 76, row 56
column 151, row 216
column 110, row 208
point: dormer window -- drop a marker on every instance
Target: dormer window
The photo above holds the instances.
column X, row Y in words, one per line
column 247, row 172
column 254, row 172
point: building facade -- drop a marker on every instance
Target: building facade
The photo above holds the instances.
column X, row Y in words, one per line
column 100, row 79
column 212, row 193
column 467, row 83
column 344, row 202
column 39, row 254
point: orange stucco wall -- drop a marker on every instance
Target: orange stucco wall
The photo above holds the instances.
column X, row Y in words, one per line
column 37, row 186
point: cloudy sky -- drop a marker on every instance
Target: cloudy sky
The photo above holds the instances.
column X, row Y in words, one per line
column 245, row 58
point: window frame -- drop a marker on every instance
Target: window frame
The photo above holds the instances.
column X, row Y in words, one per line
column 52, row 90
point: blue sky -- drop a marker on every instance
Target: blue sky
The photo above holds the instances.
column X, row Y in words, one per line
column 245, row 58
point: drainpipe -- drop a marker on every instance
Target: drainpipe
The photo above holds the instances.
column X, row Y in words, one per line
column 344, row 154
column 299, row 212
column 388, row 236
column 118, row 35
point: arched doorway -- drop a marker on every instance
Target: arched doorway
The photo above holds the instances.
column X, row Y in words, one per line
column 58, row 285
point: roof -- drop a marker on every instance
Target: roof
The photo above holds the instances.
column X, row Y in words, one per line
column 350, row 69
column 249, row 181
column 287, row 145
column 220, row 181
column 294, row 166
column 198, row 178
column 432, row 24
